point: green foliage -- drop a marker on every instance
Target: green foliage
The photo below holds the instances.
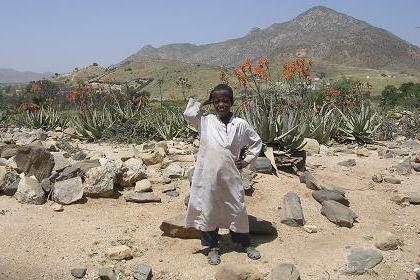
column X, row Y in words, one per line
column 292, row 130
column 46, row 118
column 321, row 124
column 406, row 96
column 90, row 125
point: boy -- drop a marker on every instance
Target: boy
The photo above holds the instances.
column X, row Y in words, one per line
column 217, row 194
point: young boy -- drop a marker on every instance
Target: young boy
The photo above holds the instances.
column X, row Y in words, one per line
column 217, row 194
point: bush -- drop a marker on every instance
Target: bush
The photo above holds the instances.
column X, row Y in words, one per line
column 406, row 96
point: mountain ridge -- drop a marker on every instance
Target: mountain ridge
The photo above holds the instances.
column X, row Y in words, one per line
column 9, row 75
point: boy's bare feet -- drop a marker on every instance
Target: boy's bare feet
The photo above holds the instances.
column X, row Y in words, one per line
column 213, row 257
column 252, row 253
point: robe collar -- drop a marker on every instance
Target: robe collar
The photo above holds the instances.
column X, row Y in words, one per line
column 230, row 120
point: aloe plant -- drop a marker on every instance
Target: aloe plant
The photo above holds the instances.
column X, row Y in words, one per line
column 91, row 124
column 46, row 118
column 321, row 124
column 124, row 112
column 292, row 129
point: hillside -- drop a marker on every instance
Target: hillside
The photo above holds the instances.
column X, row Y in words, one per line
column 320, row 33
column 8, row 75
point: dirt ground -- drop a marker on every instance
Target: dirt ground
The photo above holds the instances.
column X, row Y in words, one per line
column 38, row 243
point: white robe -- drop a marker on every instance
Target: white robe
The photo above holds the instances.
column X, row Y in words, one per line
column 217, row 197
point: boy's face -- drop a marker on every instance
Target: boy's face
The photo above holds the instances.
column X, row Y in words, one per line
column 222, row 102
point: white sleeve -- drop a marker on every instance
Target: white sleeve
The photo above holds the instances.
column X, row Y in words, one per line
column 193, row 113
column 254, row 144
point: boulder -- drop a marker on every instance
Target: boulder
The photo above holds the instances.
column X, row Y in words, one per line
column 68, row 191
column 8, row 151
column 99, row 181
column 121, row 252
column 143, row 197
column 174, row 170
column 143, row 186
column 323, row 195
column 347, row 163
column 132, row 171
column 311, row 146
column 386, row 241
column 291, row 211
column 34, row 160
column 285, row 271
column 309, row 180
column 143, row 272
column 362, row 260
column 338, row 213
column 29, row 191
column 238, row 272
column 262, row 165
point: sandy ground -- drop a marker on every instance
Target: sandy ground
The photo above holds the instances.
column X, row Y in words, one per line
column 38, row 243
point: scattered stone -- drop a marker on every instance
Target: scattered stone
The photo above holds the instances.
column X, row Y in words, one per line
column 392, row 180
column 108, row 273
column 416, row 167
column 174, row 170
column 143, row 197
column 323, row 195
column 68, row 191
column 361, row 260
column 347, row 163
column 386, row 241
column 414, row 198
column 99, row 181
column 291, row 211
column 34, row 160
column 143, row 186
column 60, row 161
column 7, row 177
column 311, row 146
column 80, row 155
column 132, row 171
column 184, row 158
column 29, row 191
column 121, row 252
column 70, row 131
column 285, row 271
column 57, row 207
column 143, row 272
column 172, row 193
column 47, row 184
column 247, row 178
column 400, row 200
column 77, row 169
column 8, row 151
column 404, row 167
column 310, row 228
column 309, row 180
column 168, row 188
column 262, row 165
column 377, row 178
column 363, row 152
column 11, row 189
column 152, row 157
column 417, row 158
column 78, row 272
column 338, row 214
column 238, row 272
column 386, row 153
column 50, row 146
column 175, row 227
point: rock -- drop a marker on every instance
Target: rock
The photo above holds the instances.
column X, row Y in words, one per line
column 347, row 163
column 196, row 143
column 416, row 167
column 262, row 165
column 183, row 158
column 60, row 161
column 172, row 193
column 311, row 146
column 7, row 177
column 377, row 178
column 417, row 158
column 323, row 195
column 175, row 227
column 386, row 241
column 400, row 200
column 108, row 273
column 324, row 149
column 8, row 151
column 3, row 162
column 50, row 146
column 261, row 227
column 310, row 228
column 11, row 189
column 238, row 272
column 363, row 152
column 338, row 213
column 121, row 252
column 3, row 172
column 78, row 272
column 80, row 155
column 57, row 207
column 47, row 184
column 386, row 153
column 144, row 197
column 361, row 260
column 132, row 171
column 309, row 180
column 168, row 188
column 29, row 191
column 174, row 170
column 99, row 181
column 34, row 160
column 143, row 272
column 77, row 169
column 414, row 198
column 392, row 180
column 404, row 167
column 285, row 271
column 247, row 178
column 152, row 157
column 143, row 186
column 291, row 212
column 68, row 191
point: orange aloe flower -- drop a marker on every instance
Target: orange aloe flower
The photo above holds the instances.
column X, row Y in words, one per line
column 247, row 64
column 239, row 73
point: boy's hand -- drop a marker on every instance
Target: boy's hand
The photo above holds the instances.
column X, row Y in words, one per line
column 241, row 164
column 207, row 101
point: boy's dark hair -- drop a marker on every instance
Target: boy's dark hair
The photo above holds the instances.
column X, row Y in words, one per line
column 223, row 87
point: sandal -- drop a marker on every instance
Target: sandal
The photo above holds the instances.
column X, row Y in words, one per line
column 213, row 257
column 252, row 253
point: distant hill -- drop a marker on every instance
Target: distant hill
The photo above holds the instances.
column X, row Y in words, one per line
column 320, row 33
column 12, row 76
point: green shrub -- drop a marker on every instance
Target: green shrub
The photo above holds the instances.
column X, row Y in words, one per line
column 90, row 125
column 46, row 118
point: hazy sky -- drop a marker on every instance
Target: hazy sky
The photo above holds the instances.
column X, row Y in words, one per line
column 58, row 35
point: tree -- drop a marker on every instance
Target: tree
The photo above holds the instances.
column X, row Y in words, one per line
column 185, row 86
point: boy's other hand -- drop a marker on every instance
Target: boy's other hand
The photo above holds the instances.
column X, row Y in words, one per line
column 241, row 164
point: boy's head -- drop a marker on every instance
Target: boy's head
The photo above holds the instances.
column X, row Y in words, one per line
column 222, row 99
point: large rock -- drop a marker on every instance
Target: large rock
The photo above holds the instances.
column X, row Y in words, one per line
column 338, row 213
column 119, row 252
column 143, row 186
column 285, row 271
column 152, row 157
column 309, row 180
column 311, row 146
column 414, row 198
column 11, row 189
column 8, row 151
column 175, row 227
column 143, row 272
column 29, row 191
column 60, row 161
column 99, row 181
column 34, row 160
column 132, row 171
column 77, row 169
column 386, row 241
column 404, row 167
column 347, row 163
column 143, row 197
column 291, row 211
column 362, row 260
column 7, row 177
column 68, row 191
column 174, row 170
column 323, row 195
column 238, row 272
column 262, row 165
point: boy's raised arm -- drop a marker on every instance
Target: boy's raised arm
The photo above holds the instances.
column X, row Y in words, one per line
column 193, row 112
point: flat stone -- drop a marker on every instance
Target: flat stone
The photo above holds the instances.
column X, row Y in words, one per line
column 309, row 180
column 311, row 146
column 362, row 260
column 168, row 188
column 144, row 197
column 119, row 252
column 386, row 241
column 174, row 170
column 57, row 207
column 404, row 167
column 34, row 160
column 172, row 193
column 392, row 180
column 338, row 214
column 8, row 151
column 363, row 152
column 29, row 191
column 285, row 271
column 291, row 211
column 152, row 157
column 175, row 227
column 347, row 163
column 143, row 186
column 323, row 195
column 238, row 272
column 143, row 272
column 68, row 191
column 262, row 165
column 414, row 198
column 78, row 272
column 77, row 169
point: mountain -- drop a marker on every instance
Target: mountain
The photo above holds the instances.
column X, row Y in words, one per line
column 12, row 76
column 320, row 33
